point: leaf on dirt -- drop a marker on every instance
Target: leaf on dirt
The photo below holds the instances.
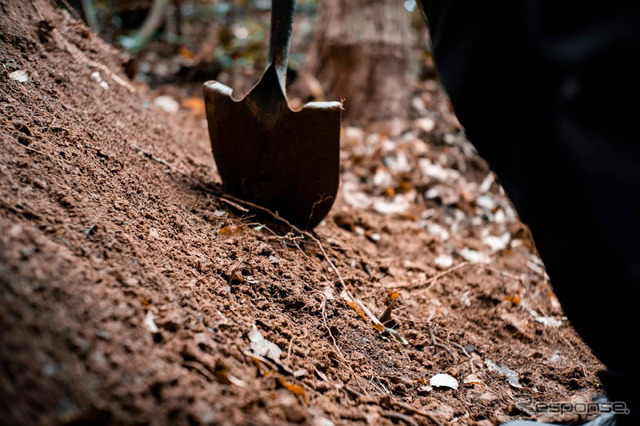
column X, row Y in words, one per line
column 512, row 376
column 195, row 104
column 237, row 278
column 448, row 196
column 426, row 124
column 397, row 336
column 443, row 380
column 149, row 323
column 98, row 78
column 515, row 299
column 485, row 186
column 497, row 243
column 21, row 76
column 300, row 372
column 397, row 162
column 438, row 172
column 294, row 389
column 398, row 204
column 425, row 389
column 353, row 135
column 264, row 366
column 378, row 327
column 549, row 322
column 437, row 231
column 328, row 293
column 471, row 380
column 535, row 264
column 546, row 321
column 231, row 230
column 263, row 347
column 222, row 375
column 486, row 203
column 321, row 375
column 354, row 197
column 358, row 310
column 475, row 256
column 444, row 261
column 184, row 51
column 382, row 178
column 167, row 103
column 386, row 315
column 366, row 314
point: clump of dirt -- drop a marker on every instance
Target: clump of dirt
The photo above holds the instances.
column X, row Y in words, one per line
column 134, row 291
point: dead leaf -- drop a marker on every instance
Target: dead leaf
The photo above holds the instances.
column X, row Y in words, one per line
column 515, row 299
column 231, row 230
column 357, row 309
column 263, row 347
column 512, row 376
column 149, row 323
column 222, row 375
column 184, row 51
column 294, row 389
column 444, row 380
column 195, row 104
column 471, row 380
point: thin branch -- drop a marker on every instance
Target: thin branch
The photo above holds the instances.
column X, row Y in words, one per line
column 431, row 281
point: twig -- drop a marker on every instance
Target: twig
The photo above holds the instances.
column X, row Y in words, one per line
column 431, row 281
column 351, row 391
column 234, row 205
column 158, row 159
column 386, row 315
column 50, row 125
column 291, row 345
column 326, row 325
column 235, row 266
column 72, row 10
column 441, row 346
column 200, row 369
column 461, row 348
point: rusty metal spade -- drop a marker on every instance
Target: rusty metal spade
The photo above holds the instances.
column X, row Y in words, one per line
column 268, row 154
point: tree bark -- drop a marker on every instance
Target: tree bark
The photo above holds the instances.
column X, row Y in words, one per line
column 361, row 53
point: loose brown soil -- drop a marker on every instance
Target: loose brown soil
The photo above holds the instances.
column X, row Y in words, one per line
column 130, row 286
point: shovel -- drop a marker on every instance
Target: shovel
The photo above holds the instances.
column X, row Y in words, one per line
column 286, row 161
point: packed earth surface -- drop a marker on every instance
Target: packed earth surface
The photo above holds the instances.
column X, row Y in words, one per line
column 134, row 290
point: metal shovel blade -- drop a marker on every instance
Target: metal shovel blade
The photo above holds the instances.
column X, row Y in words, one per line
column 284, row 160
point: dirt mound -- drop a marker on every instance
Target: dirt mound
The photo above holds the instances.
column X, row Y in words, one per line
column 133, row 291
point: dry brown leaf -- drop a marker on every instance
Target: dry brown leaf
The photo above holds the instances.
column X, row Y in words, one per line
column 515, row 299
column 294, row 389
column 195, row 104
column 358, row 310
column 230, row 230
column 184, row 51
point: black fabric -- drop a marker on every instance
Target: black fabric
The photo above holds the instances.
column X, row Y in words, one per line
column 548, row 92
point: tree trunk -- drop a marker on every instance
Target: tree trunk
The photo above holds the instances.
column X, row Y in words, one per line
column 361, row 53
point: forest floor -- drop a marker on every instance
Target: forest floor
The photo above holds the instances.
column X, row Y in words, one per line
column 134, row 291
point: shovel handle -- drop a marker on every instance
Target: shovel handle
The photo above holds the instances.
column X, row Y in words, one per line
column 281, row 25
